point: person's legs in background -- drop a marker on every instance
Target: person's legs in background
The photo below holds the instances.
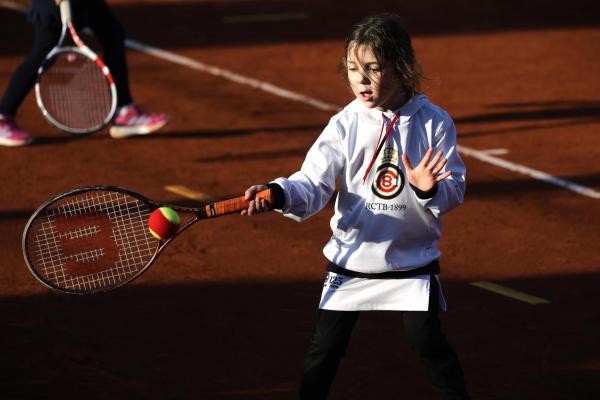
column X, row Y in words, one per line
column 129, row 119
column 21, row 83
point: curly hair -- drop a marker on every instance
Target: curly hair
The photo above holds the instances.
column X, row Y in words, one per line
column 386, row 35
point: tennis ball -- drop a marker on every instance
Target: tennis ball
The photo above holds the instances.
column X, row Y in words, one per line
column 163, row 223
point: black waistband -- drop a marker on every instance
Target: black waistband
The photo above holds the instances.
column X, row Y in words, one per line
column 431, row 268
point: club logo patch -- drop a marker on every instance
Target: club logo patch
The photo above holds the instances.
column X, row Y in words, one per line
column 388, row 182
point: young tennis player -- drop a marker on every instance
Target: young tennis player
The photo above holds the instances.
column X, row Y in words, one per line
column 44, row 15
column 395, row 158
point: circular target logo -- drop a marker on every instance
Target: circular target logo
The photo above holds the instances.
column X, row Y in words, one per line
column 388, row 182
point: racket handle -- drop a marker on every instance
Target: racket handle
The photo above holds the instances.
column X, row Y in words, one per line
column 234, row 205
column 65, row 12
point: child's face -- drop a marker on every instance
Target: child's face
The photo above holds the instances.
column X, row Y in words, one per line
column 375, row 85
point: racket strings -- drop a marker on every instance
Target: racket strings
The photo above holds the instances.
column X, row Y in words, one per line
column 75, row 92
column 91, row 241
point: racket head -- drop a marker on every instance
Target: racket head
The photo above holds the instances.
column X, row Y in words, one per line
column 75, row 90
column 90, row 240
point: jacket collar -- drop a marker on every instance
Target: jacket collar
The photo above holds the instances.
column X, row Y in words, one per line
column 374, row 115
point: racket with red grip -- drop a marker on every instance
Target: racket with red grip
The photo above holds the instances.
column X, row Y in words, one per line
column 96, row 238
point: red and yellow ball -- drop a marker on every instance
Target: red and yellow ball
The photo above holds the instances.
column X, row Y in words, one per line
column 163, row 223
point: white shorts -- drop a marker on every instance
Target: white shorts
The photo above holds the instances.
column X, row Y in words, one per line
column 345, row 293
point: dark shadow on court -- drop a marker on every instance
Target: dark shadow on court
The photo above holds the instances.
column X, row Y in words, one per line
column 530, row 116
column 58, row 138
column 216, row 24
column 256, row 156
column 536, row 111
column 11, row 215
column 229, row 133
column 246, row 340
column 523, row 186
column 522, row 128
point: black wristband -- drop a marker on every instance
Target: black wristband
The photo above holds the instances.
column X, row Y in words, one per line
column 425, row 195
column 278, row 195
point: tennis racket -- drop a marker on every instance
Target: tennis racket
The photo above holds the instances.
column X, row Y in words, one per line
column 74, row 88
column 95, row 238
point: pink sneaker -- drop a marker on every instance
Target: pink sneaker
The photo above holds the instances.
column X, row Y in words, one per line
column 11, row 134
column 131, row 121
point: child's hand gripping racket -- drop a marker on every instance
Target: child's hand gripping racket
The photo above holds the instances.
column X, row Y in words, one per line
column 74, row 89
column 96, row 238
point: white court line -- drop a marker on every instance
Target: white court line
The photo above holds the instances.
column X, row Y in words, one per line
column 495, row 152
column 188, row 193
column 539, row 175
column 277, row 91
column 508, row 292
column 229, row 75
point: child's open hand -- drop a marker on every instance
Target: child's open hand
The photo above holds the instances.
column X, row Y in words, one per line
column 256, row 206
column 427, row 173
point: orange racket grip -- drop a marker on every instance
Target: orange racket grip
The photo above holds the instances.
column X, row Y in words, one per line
column 234, row 205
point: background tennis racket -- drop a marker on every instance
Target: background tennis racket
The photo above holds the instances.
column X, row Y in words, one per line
column 74, row 89
column 96, row 238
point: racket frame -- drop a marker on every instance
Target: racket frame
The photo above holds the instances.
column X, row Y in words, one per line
column 207, row 211
column 80, row 48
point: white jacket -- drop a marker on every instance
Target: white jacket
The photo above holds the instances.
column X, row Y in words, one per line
column 380, row 225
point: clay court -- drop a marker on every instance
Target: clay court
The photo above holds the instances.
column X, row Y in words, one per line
column 228, row 310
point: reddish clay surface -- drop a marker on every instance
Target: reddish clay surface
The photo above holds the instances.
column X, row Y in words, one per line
column 228, row 310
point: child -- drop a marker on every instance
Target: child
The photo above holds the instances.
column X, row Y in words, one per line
column 383, row 253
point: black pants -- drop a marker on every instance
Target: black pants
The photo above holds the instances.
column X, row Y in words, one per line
column 423, row 331
column 94, row 14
